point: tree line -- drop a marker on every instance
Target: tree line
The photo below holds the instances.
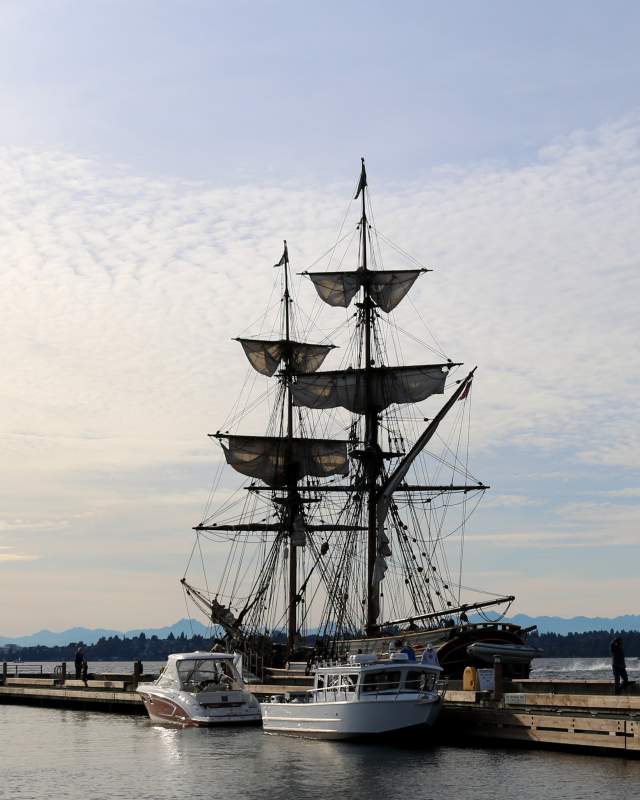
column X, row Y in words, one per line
column 591, row 644
column 111, row 648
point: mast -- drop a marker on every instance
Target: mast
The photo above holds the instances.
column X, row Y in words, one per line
column 371, row 449
column 292, row 500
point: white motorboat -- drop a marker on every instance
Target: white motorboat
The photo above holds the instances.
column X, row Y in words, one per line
column 200, row 689
column 365, row 698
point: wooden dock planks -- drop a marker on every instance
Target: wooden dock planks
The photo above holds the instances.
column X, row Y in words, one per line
column 594, row 721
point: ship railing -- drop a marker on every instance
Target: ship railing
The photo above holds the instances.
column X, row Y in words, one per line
column 394, row 690
column 253, row 664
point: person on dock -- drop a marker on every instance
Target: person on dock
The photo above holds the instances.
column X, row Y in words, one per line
column 84, row 670
column 619, row 665
column 79, row 658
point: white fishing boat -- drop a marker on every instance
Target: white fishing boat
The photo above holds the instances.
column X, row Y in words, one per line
column 200, row 689
column 362, row 699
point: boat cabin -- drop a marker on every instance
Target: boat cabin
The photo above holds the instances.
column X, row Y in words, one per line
column 367, row 678
column 196, row 672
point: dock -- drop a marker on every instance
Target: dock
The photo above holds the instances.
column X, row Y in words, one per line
column 556, row 713
column 572, row 714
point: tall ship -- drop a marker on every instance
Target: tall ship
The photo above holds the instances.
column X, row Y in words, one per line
column 343, row 531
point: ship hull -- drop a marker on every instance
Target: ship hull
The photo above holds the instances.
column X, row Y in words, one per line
column 451, row 645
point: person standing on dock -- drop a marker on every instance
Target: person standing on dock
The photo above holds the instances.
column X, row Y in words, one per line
column 79, row 658
column 85, row 670
column 618, row 665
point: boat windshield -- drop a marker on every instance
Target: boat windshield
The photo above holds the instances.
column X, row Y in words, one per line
column 382, row 680
column 419, row 681
column 207, row 673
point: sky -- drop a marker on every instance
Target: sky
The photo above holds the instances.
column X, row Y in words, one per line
column 152, row 158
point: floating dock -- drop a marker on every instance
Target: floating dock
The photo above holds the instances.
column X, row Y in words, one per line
column 553, row 713
column 586, row 719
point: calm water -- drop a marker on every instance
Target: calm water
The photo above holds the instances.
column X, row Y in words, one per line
column 51, row 753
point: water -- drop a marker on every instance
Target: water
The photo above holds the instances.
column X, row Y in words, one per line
column 593, row 669
column 74, row 755
column 582, row 669
column 69, row 755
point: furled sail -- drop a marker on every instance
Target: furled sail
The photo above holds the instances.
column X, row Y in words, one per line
column 266, row 355
column 276, row 460
column 354, row 390
column 387, row 287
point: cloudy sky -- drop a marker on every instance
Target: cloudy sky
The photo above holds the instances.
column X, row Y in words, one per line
column 152, row 158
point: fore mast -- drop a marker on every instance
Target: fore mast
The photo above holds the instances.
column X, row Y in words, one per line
column 293, row 508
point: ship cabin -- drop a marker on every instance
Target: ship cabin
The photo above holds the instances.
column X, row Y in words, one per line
column 367, row 678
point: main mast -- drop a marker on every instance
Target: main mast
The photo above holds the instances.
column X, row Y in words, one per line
column 371, row 450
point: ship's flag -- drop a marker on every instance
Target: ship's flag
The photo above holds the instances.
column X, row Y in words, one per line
column 363, row 181
column 285, row 256
column 467, row 389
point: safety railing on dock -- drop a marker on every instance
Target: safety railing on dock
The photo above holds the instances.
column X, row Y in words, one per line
column 20, row 670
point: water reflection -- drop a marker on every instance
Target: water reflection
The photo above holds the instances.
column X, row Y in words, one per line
column 75, row 755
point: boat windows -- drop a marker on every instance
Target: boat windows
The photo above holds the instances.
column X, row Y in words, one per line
column 384, row 680
column 348, row 683
column 205, row 673
column 167, row 679
column 419, row 681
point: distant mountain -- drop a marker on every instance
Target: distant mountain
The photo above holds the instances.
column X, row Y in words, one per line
column 627, row 622
column 91, row 635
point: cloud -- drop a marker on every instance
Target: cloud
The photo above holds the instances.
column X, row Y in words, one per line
column 8, row 557
column 121, row 295
column 509, row 501
column 631, row 491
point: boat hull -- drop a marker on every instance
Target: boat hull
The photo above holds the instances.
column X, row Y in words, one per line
column 350, row 719
column 186, row 712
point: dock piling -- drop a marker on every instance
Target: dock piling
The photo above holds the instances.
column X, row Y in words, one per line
column 498, row 678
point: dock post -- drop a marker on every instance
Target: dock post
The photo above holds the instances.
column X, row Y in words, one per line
column 63, row 671
column 136, row 673
column 4, row 672
column 498, row 678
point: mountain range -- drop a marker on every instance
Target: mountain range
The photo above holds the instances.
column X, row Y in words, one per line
column 561, row 625
column 91, row 635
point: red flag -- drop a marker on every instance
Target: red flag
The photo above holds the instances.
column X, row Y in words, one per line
column 464, row 394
